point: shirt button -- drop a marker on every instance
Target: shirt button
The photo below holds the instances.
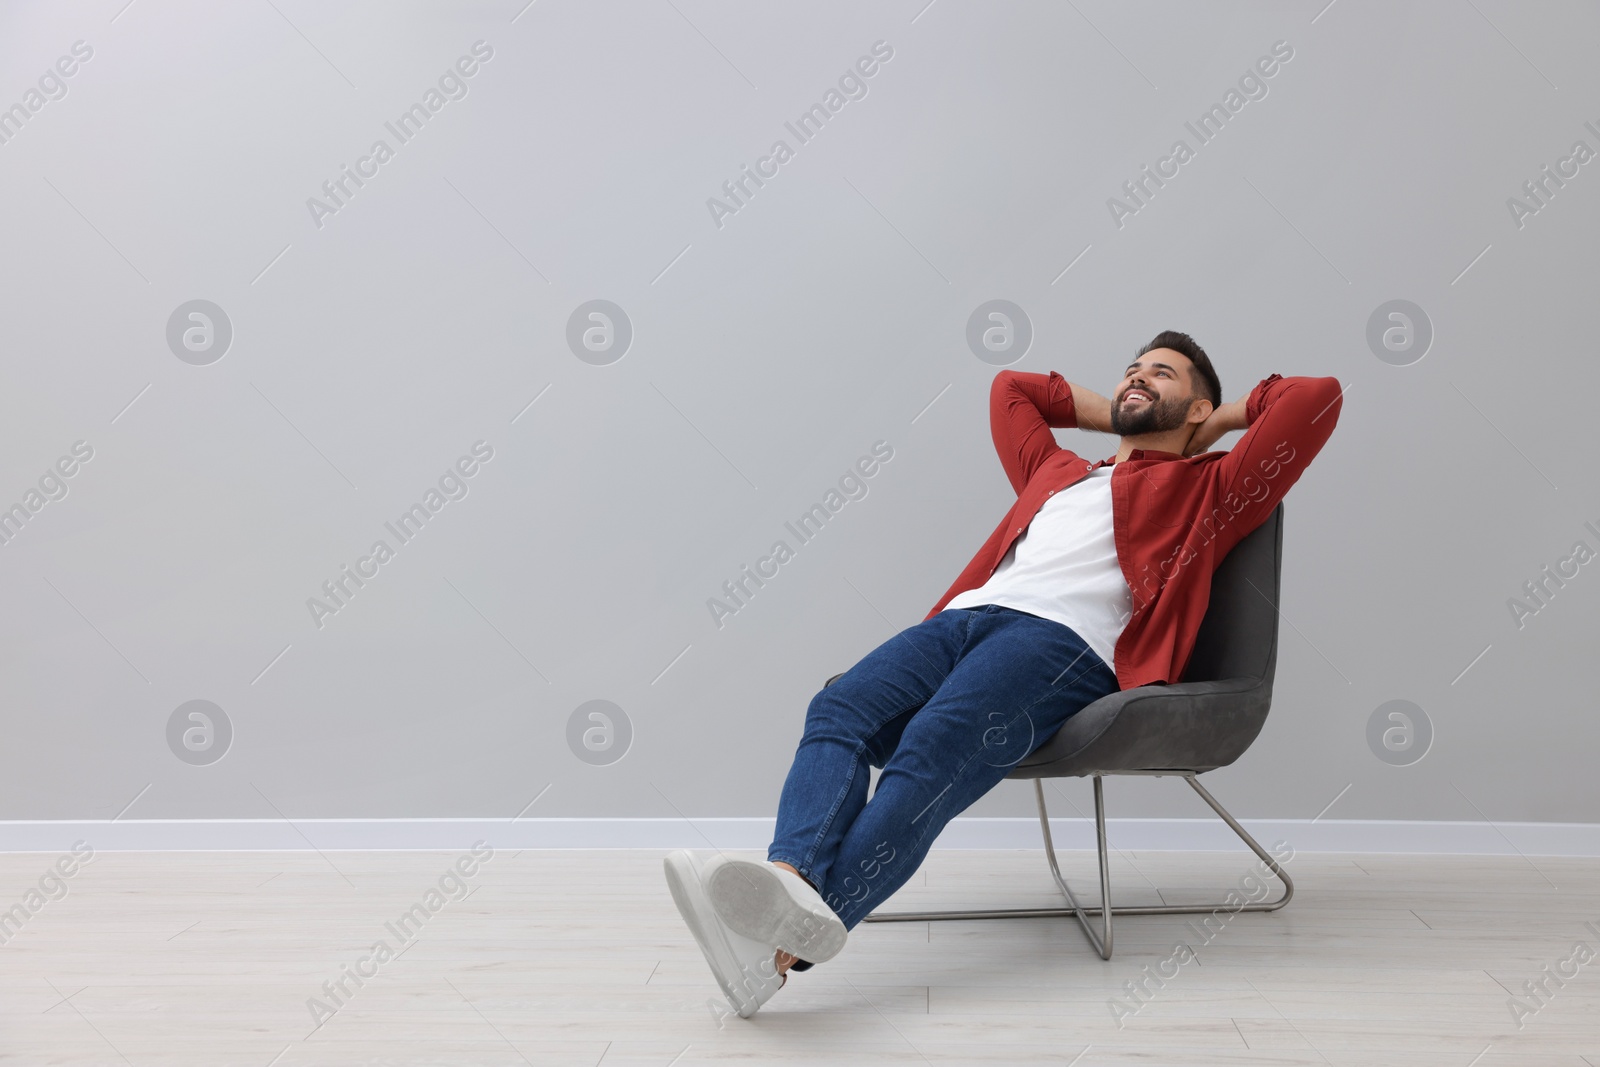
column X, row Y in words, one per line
column 1051, row 493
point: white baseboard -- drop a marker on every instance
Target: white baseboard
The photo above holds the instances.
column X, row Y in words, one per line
column 1200, row 835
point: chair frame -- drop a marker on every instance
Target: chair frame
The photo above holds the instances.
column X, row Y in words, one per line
column 1102, row 939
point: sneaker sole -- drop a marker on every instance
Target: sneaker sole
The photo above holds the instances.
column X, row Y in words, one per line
column 754, row 902
column 692, row 905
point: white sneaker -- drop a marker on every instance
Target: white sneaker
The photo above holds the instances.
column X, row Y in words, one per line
column 744, row 967
column 763, row 901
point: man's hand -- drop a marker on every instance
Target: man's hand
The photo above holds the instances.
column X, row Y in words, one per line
column 1223, row 420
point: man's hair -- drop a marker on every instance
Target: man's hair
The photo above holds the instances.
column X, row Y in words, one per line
column 1207, row 384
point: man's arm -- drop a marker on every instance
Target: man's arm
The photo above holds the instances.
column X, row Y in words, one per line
column 1288, row 420
column 1222, row 420
column 1094, row 410
column 1023, row 407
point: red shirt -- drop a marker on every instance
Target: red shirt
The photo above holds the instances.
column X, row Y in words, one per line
column 1174, row 518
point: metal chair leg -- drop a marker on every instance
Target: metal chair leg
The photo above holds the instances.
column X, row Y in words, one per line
column 1102, row 940
column 1272, row 864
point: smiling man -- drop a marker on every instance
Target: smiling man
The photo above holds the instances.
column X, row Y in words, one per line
column 1096, row 580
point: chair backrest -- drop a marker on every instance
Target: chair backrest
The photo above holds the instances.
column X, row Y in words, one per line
column 1239, row 636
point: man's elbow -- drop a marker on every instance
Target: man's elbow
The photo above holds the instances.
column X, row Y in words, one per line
column 1326, row 400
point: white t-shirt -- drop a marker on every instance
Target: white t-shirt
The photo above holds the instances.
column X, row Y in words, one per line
column 1064, row 567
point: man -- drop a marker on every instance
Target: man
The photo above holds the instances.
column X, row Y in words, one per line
column 1095, row 581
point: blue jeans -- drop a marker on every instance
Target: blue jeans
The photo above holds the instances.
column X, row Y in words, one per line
column 946, row 708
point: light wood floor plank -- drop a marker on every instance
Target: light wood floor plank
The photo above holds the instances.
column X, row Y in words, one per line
column 579, row 957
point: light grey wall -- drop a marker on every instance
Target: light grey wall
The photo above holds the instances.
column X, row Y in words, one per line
column 769, row 352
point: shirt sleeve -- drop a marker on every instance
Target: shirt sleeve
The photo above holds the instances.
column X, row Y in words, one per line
column 1290, row 419
column 1023, row 407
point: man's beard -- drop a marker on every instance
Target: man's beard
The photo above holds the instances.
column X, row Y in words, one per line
column 1154, row 416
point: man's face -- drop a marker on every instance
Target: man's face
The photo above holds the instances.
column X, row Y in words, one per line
column 1154, row 394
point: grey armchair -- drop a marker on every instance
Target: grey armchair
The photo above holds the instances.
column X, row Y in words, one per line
column 1205, row 721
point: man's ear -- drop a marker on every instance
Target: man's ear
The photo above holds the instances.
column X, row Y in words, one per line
column 1204, row 408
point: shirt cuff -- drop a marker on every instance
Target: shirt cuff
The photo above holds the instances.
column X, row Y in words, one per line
column 1258, row 397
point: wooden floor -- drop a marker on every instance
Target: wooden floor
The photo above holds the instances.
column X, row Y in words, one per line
column 566, row 957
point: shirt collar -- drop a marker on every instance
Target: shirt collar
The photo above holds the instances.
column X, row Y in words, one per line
column 1141, row 453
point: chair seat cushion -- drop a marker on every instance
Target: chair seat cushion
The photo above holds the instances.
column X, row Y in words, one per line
column 1187, row 726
